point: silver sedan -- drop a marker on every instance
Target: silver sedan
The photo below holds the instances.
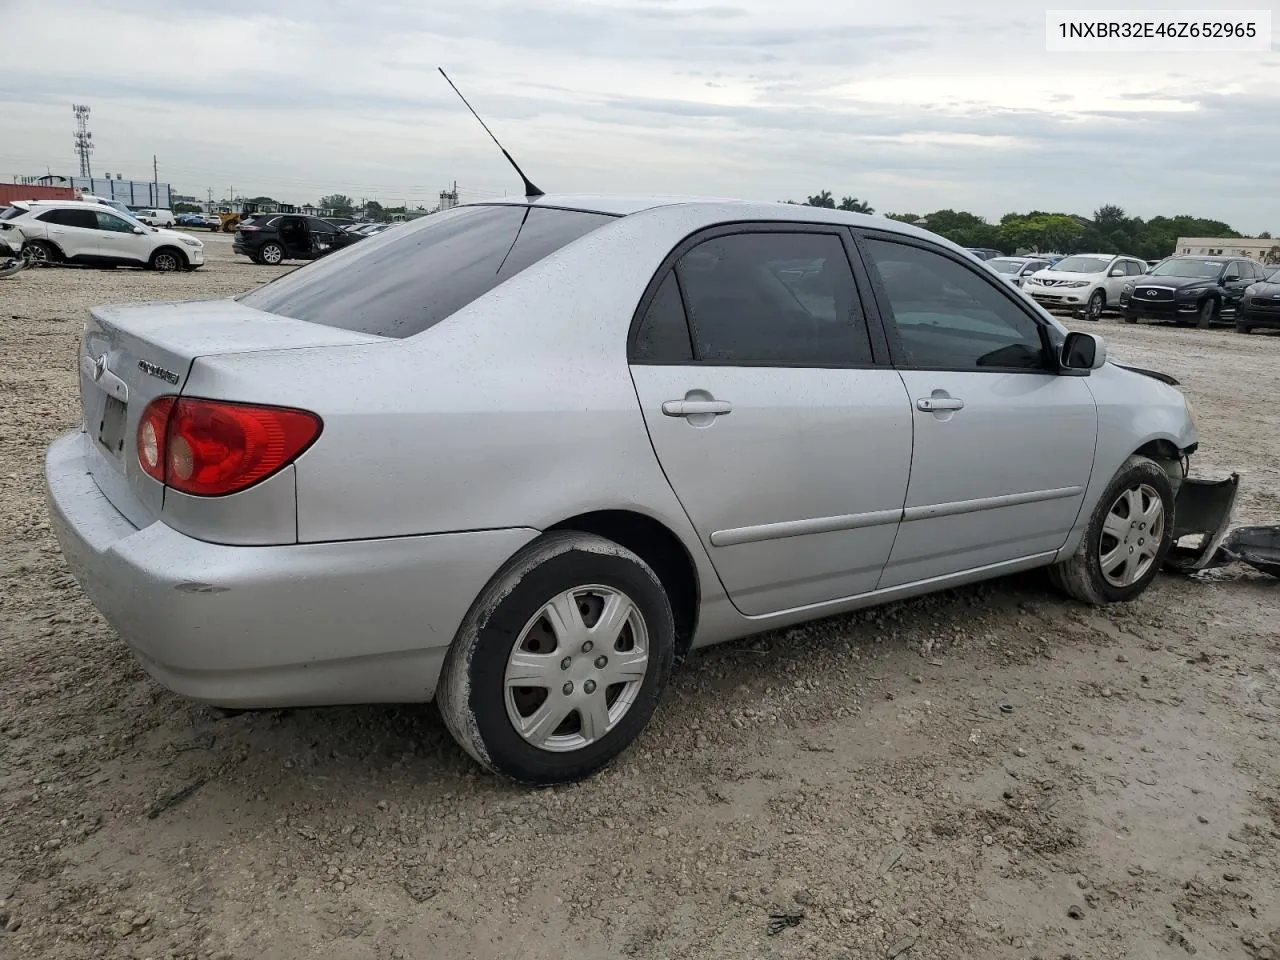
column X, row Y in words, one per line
column 522, row 456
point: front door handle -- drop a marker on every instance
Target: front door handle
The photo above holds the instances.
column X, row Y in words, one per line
column 934, row 404
column 693, row 408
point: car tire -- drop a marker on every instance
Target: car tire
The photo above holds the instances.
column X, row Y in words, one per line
column 38, row 253
column 1206, row 313
column 1097, row 302
column 1115, row 561
column 1128, row 319
column 271, row 253
column 167, row 260
column 545, row 602
column 1243, row 327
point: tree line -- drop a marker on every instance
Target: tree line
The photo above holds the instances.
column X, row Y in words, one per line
column 1109, row 229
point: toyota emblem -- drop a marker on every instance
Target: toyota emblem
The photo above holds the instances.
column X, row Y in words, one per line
column 100, row 367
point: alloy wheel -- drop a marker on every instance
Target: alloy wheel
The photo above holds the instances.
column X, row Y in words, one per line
column 1131, row 535
column 166, row 262
column 576, row 668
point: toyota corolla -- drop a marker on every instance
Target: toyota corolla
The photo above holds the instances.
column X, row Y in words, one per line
column 519, row 457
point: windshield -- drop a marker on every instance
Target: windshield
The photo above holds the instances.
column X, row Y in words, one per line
column 1082, row 265
column 1005, row 266
column 1205, row 269
column 404, row 281
column 1273, row 276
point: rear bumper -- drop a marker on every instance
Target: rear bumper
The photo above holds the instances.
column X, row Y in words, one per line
column 298, row 625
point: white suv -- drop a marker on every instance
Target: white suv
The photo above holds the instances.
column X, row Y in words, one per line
column 69, row 231
column 1088, row 281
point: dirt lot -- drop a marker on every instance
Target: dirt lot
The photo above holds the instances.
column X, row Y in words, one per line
column 992, row 773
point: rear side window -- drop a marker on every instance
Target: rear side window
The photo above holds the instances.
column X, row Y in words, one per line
column 407, row 280
column 71, row 218
column 8, row 213
column 776, row 298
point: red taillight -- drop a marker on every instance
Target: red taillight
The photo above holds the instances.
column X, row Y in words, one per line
column 210, row 447
column 248, row 227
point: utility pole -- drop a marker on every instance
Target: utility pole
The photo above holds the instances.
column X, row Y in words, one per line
column 155, row 178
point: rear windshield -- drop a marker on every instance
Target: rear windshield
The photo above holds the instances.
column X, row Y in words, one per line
column 8, row 213
column 407, row 280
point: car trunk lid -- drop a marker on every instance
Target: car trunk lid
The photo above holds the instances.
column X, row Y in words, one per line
column 131, row 354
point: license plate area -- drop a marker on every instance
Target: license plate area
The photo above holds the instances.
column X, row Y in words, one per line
column 111, row 426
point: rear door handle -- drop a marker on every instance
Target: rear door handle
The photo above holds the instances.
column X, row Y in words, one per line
column 692, row 408
column 934, row 404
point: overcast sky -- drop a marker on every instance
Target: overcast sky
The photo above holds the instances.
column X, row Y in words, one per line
column 911, row 105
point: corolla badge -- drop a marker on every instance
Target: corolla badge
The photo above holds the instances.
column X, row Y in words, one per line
column 146, row 366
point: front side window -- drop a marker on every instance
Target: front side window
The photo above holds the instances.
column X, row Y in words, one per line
column 1133, row 268
column 778, row 298
column 109, row 221
column 948, row 317
column 407, row 280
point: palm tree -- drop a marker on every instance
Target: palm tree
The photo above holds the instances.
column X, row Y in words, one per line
column 854, row 205
column 823, row 199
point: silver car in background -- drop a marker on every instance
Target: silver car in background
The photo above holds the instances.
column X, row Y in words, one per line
column 521, row 456
column 1017, row 269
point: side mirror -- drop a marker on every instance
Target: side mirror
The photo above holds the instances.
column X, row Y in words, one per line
column 139, row 230
column 1083, row 351
column 1118, row 272
column 1231, row 278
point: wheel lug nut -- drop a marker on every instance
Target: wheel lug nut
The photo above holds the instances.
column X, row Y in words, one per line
column 567, row 688
column 589, row 687
column 566, row 663
column 586, row 647
column 601, row 662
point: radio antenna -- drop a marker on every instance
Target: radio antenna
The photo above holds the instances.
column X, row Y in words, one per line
column 530, row 191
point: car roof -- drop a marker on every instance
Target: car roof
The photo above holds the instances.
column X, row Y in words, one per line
column 1216, row 256
column 713, row 210
column 73, row 204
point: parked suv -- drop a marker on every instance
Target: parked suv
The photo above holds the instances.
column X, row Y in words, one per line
column 275, row 237
column 72, row 231
column 1091, row 282
column 1187, row 290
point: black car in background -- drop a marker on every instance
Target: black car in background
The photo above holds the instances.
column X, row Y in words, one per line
column 1190, row 290
column 984, row 253
column 1260, row 307
column 272, row 238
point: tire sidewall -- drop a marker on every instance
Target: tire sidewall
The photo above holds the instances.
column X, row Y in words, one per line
column 1136, row 470
column 262, row 253
column 1100, row 299
column 1205, row 315
column 499, row 628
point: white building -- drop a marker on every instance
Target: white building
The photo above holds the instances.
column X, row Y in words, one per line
column 1257, row 248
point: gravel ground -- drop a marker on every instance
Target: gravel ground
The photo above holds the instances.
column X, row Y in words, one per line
column 993, row 772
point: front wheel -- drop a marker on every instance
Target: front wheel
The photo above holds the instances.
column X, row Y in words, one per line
column 1242, row 326
column 1208, row 310
column 167, row 260
column 1128, row 536
column 561, row 661
column 1093, row 309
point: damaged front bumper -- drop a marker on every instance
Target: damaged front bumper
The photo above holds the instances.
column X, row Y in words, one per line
column 1201, row 515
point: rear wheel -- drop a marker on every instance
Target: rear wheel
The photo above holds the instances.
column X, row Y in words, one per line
column 272, row 254
column 38, row 253
column 167, row 259
column 1208, row 310
column 1093, row 309
column 561, row 661
column 1127, row 538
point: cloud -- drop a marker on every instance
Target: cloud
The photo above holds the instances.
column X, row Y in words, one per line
column 914, row 107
